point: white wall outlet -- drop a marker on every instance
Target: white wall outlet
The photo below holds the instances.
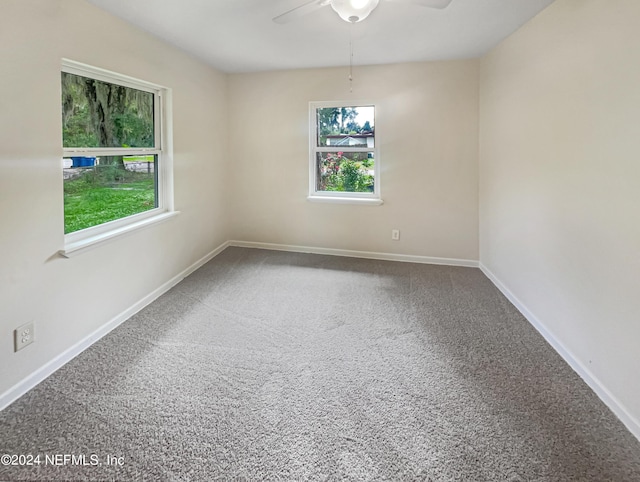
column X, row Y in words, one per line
column 395, row 234
column 24, row 336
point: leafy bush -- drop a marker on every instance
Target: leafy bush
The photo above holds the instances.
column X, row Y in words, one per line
column 345, row 173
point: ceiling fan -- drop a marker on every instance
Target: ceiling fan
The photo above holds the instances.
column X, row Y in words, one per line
column 351, row 11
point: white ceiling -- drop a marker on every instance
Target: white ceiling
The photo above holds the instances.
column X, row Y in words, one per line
column 240, row 36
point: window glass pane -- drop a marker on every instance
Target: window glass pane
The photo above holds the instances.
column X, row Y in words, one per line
column 101, row 114
column 102, row 189
column 345, row 171
column 346, row 126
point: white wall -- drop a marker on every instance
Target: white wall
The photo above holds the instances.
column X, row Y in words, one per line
column 427, row 133
column 70, row 298
column 560, row 183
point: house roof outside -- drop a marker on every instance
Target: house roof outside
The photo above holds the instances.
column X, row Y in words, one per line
column 360, row 135
column 353, row 140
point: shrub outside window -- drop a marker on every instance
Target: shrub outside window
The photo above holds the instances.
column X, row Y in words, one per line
column 343, row 160
column 115, row 168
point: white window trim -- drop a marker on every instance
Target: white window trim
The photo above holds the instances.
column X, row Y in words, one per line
column 373, row 198
column 80, row 241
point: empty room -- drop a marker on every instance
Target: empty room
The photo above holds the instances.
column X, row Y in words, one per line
column 320, row 240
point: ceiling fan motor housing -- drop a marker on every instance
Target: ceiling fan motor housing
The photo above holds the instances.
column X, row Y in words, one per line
column 353, row 11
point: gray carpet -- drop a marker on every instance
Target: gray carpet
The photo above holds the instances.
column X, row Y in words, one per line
column 267, row 365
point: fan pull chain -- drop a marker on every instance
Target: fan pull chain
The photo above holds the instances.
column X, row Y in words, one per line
column 351, row 58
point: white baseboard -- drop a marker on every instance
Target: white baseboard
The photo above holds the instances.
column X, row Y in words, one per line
column 43, row 372
column 590, row 379
column 407, row 258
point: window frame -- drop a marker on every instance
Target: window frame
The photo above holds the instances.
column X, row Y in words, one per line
column 343, row 197
column 83, row 239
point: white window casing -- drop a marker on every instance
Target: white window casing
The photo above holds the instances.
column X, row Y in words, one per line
column 79, row 241
column 342, row 197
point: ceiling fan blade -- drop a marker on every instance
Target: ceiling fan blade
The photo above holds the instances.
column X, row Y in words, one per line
column 300, row 11
column 426, row 3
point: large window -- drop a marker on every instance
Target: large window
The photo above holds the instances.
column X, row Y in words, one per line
column 115, row 164
column 343, row 160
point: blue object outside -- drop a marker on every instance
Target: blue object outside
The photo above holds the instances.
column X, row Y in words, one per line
column 83, row 161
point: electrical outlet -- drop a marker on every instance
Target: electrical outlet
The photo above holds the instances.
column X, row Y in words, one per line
column 395, row 234
column 24, row 336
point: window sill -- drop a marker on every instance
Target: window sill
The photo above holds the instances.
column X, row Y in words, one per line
column 82, row 245
column 345, row 200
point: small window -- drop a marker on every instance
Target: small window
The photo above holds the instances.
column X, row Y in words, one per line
column 115, row 167
column 343, row 163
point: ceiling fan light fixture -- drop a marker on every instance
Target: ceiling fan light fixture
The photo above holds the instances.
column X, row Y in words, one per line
column 353, row 11
column 358, row 3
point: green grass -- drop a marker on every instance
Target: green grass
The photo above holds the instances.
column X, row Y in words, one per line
column 89, row 203
column 128, row 159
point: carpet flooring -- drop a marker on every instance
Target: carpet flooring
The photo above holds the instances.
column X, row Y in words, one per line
column 266, row 365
